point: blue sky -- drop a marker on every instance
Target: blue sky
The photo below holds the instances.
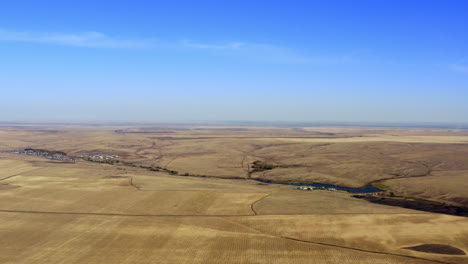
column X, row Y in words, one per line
column 382, row 61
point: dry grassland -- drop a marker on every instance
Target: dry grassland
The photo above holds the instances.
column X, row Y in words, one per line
column 372, row 232
column 386, row 138
column 86, row 212
column 93, row 213
column 443, row 186
column 289, row 201
column 36, row 238
column 344, row 156
column 10, row 168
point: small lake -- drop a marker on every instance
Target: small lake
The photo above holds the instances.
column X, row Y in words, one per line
column 364, row 189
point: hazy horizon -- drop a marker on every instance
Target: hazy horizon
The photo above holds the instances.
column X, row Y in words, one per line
column 272, row 61
column 292, row 124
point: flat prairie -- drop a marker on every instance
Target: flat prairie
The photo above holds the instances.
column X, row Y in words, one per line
column 93, row 212
column 408, row 162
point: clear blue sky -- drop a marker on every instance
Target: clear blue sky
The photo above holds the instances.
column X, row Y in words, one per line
column 266, row 60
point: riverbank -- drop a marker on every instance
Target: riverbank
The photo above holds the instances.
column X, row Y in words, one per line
column 363, row 189
column 421, row 205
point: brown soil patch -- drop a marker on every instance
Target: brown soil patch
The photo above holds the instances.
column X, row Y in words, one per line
column 7, row 186
column 437, row 249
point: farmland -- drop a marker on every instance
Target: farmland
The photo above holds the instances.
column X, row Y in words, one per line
column 97, row 212
column 427, row 164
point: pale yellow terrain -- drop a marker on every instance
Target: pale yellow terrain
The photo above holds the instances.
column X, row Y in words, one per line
column 93, row 213
column 42, row 238
column 10, row 168
column 287, row 200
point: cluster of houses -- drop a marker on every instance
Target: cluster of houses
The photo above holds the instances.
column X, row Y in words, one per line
column 305, row 188
column 100, row 157
column 44, row 154
column 310, row 188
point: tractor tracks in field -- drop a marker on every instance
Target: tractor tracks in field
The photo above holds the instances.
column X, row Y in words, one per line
column 114, row 214
column 225, row 217
column 251, row 205
column 334, row 245
column 363, row 250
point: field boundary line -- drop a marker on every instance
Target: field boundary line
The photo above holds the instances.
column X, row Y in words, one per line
column 18, row 174
column 252, row 204
column 115, row 214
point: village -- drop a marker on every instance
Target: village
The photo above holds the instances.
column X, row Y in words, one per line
column 99, row 157
column 310, row 188
column 58, row 155
column 53, row 155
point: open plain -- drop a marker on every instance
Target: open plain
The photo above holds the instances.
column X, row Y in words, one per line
column 182, row 194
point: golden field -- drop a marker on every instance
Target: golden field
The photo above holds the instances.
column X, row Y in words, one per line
column 87, row 212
